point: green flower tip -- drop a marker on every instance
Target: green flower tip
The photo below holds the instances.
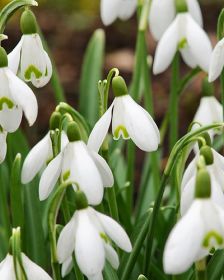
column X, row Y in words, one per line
column 203, row 184
column 207, row 138
column 206, row 152
column 28, row 23
column 55, row 120
column 119, row 86
column 207, row 88
column 73, row 132
column 81, row 200
column 181, row 6
column 3, row 58
column 142, row 277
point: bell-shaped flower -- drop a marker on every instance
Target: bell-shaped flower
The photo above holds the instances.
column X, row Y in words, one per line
column 185, row 35
column 29, row 60
column 32, row 270
column 129, row 120
column 122, row 9
column 162, row 13
column 3, row 145
column 15, row 98
column 85, row 169
column 216, row 172
column 88, row 235
column 217, row 61
column 39, row 156
column 198, row 231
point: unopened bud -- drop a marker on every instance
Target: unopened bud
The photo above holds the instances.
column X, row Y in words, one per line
column 28, row 23
column 119, row 86
column 73, row 132
column 55, row 120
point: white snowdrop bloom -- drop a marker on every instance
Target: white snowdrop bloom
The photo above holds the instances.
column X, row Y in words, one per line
column 29, row 59
column 198, row 231
column 216, row 172
column 113, row 9
column 185, row 35
column 15, row 98
column 162, row 13
column 3, row 145
column 32, row 270
column 217, row 61
column 86, row 169
column 88, row 235
column 39, row 156
column 129, row 120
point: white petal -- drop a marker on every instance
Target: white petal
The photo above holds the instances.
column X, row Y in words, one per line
column 166, row 47
column 35, row 160
column 84, row 171
column 33, row 271
column 109, row 11
column 104, row 169
column 188, row 57
column 96, row 277
column 111, row 256
column 199, row 43
column 184, row 241
column 7, row 269
column 126, row 9
column 217, row 61
column 66, row 267
column 189, row 172
column 162, row 13
column 195, row 11
column 100, row 131
column 23, row 96
column 187, row 196
column 3, row 145
column 66, row 240
column 50, row 176
column 115, row 232
column 89, row 249
column 14, row 57
column 10, row 119
column 140, row 125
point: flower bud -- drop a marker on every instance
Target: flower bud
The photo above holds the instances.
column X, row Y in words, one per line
column 3, row 58
column 181, row 6
column 73, row 132
column 80, row 200
column 28, row 23
column 206, row 152
column 119, row 86
column 203, row 184
column 55, row 120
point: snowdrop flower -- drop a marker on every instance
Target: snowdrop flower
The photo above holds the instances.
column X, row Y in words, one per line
column 77, row 164
column 39, row 156
column 3, row 145
column 88, row 235
column 216, row 172
column 162, row 13
column 129, row 120
column 217, row 61
column 32, row 270
column 185, row 35
column 15, row 98
column 29, row 59
column 113, row 9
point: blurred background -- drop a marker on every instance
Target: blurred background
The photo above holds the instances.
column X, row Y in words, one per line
column 68, row 26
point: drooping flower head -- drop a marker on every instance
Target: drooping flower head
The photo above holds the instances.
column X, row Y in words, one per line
column 29, row 60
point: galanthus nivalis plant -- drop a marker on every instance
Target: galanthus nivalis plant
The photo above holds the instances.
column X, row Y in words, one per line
column 73, row 200
column 29, row 60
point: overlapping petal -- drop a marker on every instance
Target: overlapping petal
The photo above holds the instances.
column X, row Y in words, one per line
column 217, row 61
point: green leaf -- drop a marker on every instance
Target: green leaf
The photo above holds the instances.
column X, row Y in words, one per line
column 109, row 272
column 215, row 265
column 11, row 8
column 91, row 74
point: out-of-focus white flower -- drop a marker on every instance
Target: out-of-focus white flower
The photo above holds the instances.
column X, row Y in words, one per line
column 39, row 155
column 217, row 61
column 162, row 13
column 3, row 145
column 185, row 35
column 198, row 231
column 129, row 120
column 33, row 271
column 113, row 9
column 216, row 172
column 88, row 234
column 29, row 59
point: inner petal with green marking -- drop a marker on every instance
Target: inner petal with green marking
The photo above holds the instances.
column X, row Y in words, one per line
column 104, row 237
column 211, row 238
column 182, row 43
column 32, row 70
column 121, row 131
column 8, row 102
column 66, row 175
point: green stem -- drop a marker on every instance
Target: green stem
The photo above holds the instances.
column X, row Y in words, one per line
column 201, row 271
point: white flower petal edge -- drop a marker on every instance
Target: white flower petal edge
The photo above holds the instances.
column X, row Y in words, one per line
column 3, row 145
column 217, row 61
column 7, row 269
column 195, row 11
column 109, row 11
column 14, row 57
column 111, row 256
column 66, row 267
column 126, row 9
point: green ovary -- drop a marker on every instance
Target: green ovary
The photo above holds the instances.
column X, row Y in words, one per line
column 32, row 69
column 7, row 101
column 182, row 43
column 214, row 236
column 66, row 175
column 121, row 130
